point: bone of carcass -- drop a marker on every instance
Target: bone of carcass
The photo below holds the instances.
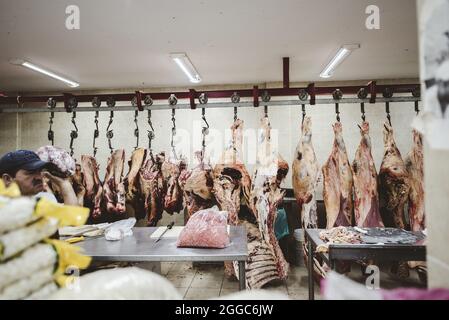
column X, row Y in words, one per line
column 197, row 186
column 337, row 183
column 114, row 188
column 132, row 183
column 415, row 168
column 393, row 183
column 232, row 182
column 77, row 180
column 92, row 184
column 366, row 200
column 305, row 176
column 266, row 195
column 171, row 170
column 153, row 187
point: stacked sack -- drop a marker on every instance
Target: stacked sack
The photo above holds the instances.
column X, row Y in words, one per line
column 32, row 266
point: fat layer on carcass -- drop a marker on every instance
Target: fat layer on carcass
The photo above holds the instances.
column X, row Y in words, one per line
column 366, row 200
column 338, row 183
column 134, row 196
column 92, row 183
column 415, row 168
column 153, row 187
column 113, row 185
column 305, row 177
column 393, row 182
column 171, row 171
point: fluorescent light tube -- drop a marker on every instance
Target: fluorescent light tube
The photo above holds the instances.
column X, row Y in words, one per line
column 341, row 55
column 31, row 66
column 184, row 63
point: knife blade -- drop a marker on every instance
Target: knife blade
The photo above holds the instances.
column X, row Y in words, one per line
column 168, row 228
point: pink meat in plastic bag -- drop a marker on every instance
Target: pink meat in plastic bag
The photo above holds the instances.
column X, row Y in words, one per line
column 205, row 229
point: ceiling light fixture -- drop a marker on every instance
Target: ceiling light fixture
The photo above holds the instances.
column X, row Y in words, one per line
column 32, row 66
column 341, row 55
column 183, row 62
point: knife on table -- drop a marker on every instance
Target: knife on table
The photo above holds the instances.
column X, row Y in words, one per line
column 166, row 229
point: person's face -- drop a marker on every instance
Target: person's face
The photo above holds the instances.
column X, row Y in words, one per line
column 29, row 182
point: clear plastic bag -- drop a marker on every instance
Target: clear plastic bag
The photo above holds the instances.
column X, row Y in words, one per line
column 120, row 229
column 206, row 229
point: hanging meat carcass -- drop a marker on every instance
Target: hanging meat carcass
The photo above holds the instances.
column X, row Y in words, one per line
column 132, row 183
column 92, row 184
column 171, row 171
column 197, row 185
column 337, row 183
column 77, row 180
column 153, row 187
column 393, row 182
column 113, row 185
column 415, row 168
column 306, row 172
column 366, row 200
column 232, row 182
column 266, row 195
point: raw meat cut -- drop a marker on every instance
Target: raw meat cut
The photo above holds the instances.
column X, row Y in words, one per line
column 171, row 170
column 197, row 186
column 77, row 180
column 393, row 183
column 60, row 158
column 94, row 188
column 266, row 194
column 366, row 201
column 153, row 187
column 306, row 174
column 337, row 183
column 114, row 188
column 232, row 182
column 415, row 169
column 133, row 188
column 206, row 229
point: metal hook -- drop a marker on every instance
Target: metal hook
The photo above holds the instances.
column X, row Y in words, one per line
column 73, row 133
column 337, row 111
column 265, row 110
column 362, row 109
column 173, row 133
column 235, row 114
column 204, row 132
column 150, row 133
column 110, row 133
column 387, row 110
column 51, row 134
column 416, row 107
column 96, row 133
column 136, row 130
column 303, row 108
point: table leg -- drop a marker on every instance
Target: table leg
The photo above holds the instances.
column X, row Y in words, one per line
column 242, row 276
column 310, row 267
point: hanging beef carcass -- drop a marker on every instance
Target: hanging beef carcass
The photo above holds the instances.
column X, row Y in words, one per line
column 132, row 183
column 415, row 167
column 113, row 186
column 306, row 172
column 153, row 187
column 266, row 195
column 366, row 201
column 337, row 183
column 393, row 183
column 197, row 185
column 232, row 182
column 77, row 180
column 171, row 170
column 92, row 184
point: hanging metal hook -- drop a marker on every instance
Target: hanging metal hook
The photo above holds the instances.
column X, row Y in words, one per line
column 96, row 103
column 362, row 110
column 51, row 103
column 173, row 133
column 110, row 133
column 235, row 114
column 204, row 132
column 265, row 111
column 387, row 110
column 136, row 130
column 416, row 107
column 303, row 108
column 337, row 111
column 73, row 133
column 150, row 134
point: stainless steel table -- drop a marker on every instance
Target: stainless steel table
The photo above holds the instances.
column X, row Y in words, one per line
column 140, row 247
column 363, row 251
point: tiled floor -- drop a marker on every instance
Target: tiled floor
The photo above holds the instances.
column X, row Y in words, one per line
column 208, row 281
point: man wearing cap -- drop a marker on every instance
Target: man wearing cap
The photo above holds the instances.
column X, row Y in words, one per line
column 25, row 168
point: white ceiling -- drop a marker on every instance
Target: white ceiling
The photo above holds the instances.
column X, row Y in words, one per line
column 126, row 44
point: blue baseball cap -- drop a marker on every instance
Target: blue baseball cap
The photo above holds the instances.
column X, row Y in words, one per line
column 21, row 159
